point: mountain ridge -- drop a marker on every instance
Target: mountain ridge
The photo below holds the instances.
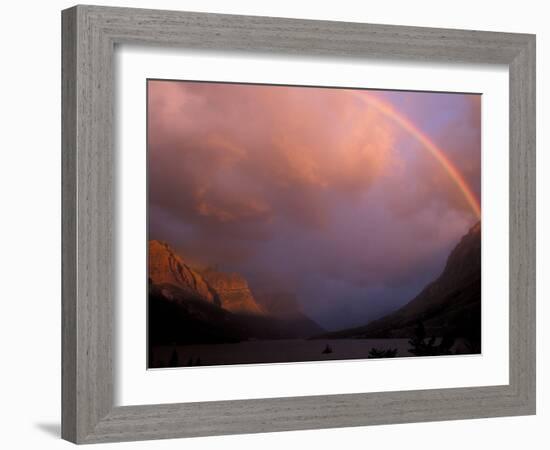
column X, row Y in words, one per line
column 229, row 291
column 449, row 305
column 205, row 305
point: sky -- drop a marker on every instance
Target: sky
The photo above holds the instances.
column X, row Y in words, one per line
column 350, row 200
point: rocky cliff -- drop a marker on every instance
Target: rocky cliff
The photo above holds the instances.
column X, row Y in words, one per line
column 192, row 305
column 232, row 291
column 168, row 268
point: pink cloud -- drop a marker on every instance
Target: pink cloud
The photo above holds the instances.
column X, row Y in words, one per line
column 305, row 182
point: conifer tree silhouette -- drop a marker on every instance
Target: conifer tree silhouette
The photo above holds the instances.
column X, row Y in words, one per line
column 424, row 346
column 174, row 359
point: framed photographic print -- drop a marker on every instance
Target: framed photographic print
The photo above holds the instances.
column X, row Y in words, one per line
column 278, row 224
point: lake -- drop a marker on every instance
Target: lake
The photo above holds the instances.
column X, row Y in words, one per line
column 272, row 351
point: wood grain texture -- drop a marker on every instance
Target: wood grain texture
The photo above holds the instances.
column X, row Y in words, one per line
column 88, row 256
column 89, row 36
column 68, row 226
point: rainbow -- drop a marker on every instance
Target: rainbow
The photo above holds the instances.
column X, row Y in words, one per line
column 387, row 109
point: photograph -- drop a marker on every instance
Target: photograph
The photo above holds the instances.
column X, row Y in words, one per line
column 290, row 224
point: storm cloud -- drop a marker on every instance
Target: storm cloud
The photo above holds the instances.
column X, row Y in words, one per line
column 312, row 187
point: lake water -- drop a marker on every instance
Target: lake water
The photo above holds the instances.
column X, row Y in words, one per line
column 273, row 351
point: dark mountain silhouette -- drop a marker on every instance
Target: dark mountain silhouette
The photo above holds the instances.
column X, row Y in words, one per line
column 449, row 306
column 188, row 305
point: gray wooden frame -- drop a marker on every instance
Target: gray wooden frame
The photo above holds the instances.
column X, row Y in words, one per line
column 89, row 36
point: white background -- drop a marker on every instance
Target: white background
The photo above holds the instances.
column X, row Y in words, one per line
column 30, row 190
column 134, row 385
